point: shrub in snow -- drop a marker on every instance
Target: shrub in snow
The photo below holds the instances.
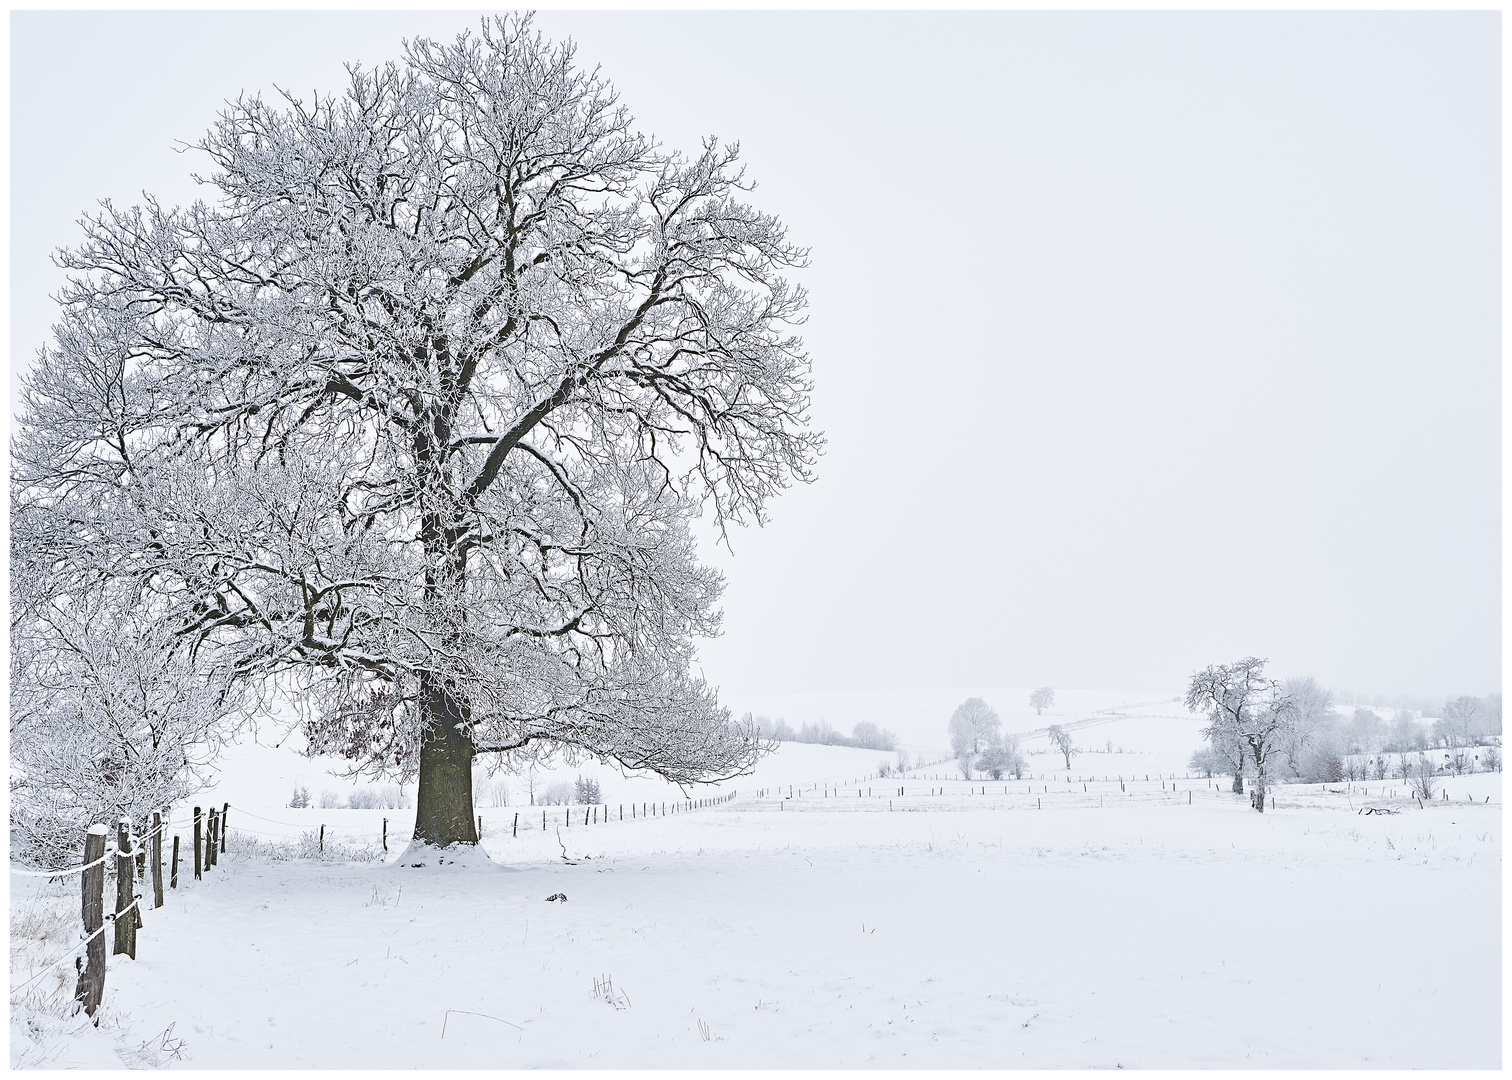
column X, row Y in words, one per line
column 557, row 793
column 337, row 849
column 301, row 798
column 585, row 792
column 1423, row 777
column 329, row 800
column 1002, row 757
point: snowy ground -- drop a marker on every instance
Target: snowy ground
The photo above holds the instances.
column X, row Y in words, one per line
column 1046, row 925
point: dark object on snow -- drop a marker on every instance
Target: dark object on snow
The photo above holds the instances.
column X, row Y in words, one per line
column 557, row 896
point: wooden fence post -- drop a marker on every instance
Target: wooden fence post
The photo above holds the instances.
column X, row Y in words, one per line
column 480, row 826
column 125, row 925
column 197, row 865
column 322, row 839
column 173, row 880
column 516, row 830
column 220, row 826
column 210, row 839
column 157, row 859
column 92, row 977
column 385, row 833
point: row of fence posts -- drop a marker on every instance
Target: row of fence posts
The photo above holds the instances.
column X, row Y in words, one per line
column 591, row 815
column 133, row 859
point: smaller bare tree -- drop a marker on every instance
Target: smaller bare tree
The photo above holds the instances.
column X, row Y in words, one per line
column 1424, row 777
column 1060, row 738
column 1247, row 708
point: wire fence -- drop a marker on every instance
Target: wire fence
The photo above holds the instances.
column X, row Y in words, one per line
column 130, row 855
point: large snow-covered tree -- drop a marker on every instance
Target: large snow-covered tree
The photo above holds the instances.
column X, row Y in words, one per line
column 414, row 411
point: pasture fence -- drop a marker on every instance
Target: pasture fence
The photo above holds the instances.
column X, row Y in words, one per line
column 134, row 859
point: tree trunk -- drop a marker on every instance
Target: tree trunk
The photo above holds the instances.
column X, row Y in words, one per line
column 1238, row 783
column 444, row 800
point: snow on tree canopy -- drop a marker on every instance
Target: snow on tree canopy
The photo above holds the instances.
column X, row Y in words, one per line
column 414, row 410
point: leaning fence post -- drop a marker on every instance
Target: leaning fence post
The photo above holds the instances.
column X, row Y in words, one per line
column 385, row 834
column 322, row 839
column 125, row 925
column 197, row 864
column 210, row 839
column 157, row 859
column 515, row 830
column 92, row 977
column 220, row 827
column 173, row 880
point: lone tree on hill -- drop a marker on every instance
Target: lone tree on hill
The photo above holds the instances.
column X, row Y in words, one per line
column 1247, row 708
column 1060, row 738
column 1042, row 699
column 972, row 726
column 411, row 416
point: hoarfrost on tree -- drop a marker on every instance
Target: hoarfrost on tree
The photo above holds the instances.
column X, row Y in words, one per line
column 413, row 413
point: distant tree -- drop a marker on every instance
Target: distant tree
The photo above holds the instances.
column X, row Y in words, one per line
column 1491, row 758
column 869, row 736
column 1405, row 734
column 972, row 726
column 902, row 761
column 964, row 762
column 301, row 798
column 1313, row 733
column 1248, row 707
column 778, row 730
column 1365, row 730
column 557, row 793
column 1042, row 699
column 1206, row 761
column 1060, row 738
column 1464, row 721
column 585, row 792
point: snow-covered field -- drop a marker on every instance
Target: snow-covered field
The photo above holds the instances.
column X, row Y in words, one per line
column 1059, row 922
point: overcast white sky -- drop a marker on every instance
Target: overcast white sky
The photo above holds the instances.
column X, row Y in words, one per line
column 1142, row 342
